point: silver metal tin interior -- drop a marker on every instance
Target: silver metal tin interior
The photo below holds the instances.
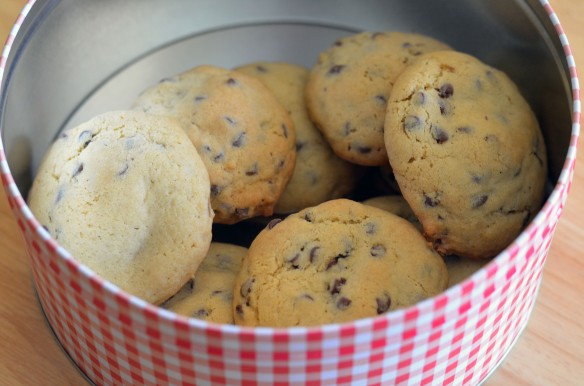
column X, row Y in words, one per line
column 73, row 59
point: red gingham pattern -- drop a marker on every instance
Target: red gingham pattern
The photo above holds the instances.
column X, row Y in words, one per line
column 458, row 337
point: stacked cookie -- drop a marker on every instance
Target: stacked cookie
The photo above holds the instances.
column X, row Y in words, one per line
column 244, row 184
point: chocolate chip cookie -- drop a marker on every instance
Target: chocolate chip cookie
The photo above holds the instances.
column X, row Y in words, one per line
column 349, row 86
column 466, row 151
column 209, row 294
column 244, row 136
column 332, row 263
column 127, row 194
column 319, row 175
column 395, row 204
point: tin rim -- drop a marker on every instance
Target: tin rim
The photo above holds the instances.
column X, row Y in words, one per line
column 477, row 282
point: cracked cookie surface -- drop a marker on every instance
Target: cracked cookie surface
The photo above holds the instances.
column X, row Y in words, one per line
column 319, row 175
column 244, row 136
column 209, row 294
column 466, row 151
column 349, row 87
column 333, row 263
column 127, row 194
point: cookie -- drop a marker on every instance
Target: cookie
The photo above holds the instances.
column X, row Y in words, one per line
column 319, row 175
column 395, row 204
column 461, row 268
column 466, row 151
column 333, row 263
column 244, row 136
column 349, row 86
column 127, row 195
column 209, row 294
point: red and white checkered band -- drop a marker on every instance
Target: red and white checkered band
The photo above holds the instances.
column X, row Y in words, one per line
column 458, row 337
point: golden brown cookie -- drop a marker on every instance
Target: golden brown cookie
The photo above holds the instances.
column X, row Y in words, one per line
column 127, row 194
column 349, row 86
column 319, row 175
column 244, row 136
column 466, row 151
column 332, row 263
column 209, row 294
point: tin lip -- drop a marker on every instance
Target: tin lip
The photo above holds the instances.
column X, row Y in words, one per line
column 395, row 318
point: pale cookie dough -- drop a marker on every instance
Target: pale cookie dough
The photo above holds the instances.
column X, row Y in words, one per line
column 319, row 175
column 333, row 263
column 127, row 195
column 244, row 136
column 209, row 295
column 349, row 87
column 467, row 153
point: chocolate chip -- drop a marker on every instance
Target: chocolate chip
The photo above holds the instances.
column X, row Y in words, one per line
column 308, row 217
column 78, row 170
column 261, row 69
column 476, row 178
column 335, row 260
column 517, row 172
column 168, row 80
column 123, row 170
column 335, row 288
column 312, row 253
column 239, row 310
column 294, row 261
column 446, row 91
column 439, row 134
column 445, row 108
column 230, row 120
column 338, row 43
column 215, row 190
column 253, row 170
column 239, row 140
column 418, row 99
column 281, row 164
column 219, row 157
column 201, row 313
column 307, row 296
column 285, row 130
column 242, row 212
column 491, row 138
column 478, row 201
column 347, row 129
column 431, row 201
column 411, row 123
column 231, row 82
column 246, row 287
column 336, row 69
column 465, row 130
column 343, row 303
column 60, row 194
column 378, row 250
column 299, row 146
column 383, row 304
column 200, row 98
column 86, row 136
column 274, row 222
column 207, row 148
column 370, row 228
column 363, row 149
column 216, row 292
column 381, row 99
